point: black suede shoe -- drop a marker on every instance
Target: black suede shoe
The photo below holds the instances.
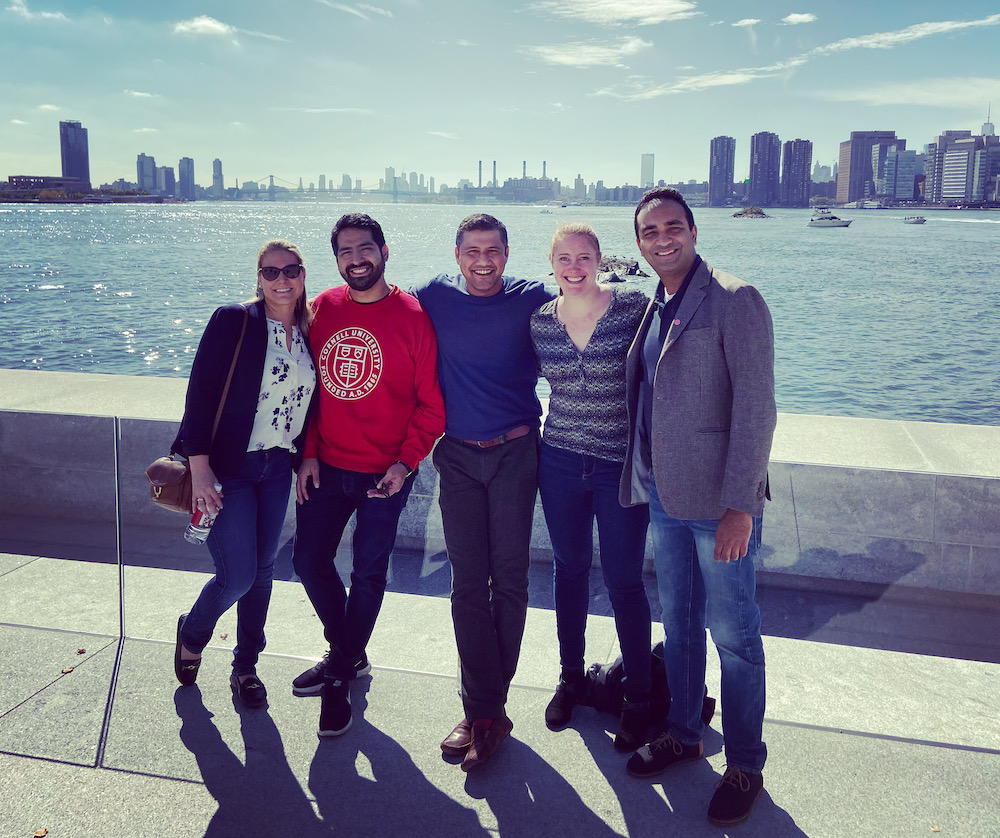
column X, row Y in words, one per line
column 660, row 754
column 734, row 797
column 186, row 671
column 251, row 691
column 560, row 709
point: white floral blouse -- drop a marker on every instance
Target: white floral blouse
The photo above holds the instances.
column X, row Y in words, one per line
column 288, row 382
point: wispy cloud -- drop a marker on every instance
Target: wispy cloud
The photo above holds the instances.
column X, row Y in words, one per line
column 375, row 10
column 960, row 93
column 357, row 11
column 48, row 107
column 464, row 43
column 588, row 53
column 749, row 23
column 138, row 94
column 20, row 8
column 18, row 122
column 204, row 25
column 888, row 40
column 618, row 12
column 361, row 111
column 447, row 135
column 213, row 28
column 145, row 130
column 795, row 18
column 642, row 88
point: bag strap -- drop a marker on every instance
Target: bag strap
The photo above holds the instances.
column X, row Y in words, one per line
column 229, row 378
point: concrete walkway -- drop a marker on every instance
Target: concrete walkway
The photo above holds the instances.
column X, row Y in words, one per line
column 883, row 720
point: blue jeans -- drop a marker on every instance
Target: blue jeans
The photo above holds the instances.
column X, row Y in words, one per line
column 695, row 591
column 487, row 502
column 348, row 620
column 576, row 488
column 243, row 542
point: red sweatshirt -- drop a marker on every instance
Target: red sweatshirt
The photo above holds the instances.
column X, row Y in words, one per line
column 376, row 368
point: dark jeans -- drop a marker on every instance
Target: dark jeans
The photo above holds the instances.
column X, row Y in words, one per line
column 243, row 542
column 348, row 620
column 575, row 489
column 487, row 503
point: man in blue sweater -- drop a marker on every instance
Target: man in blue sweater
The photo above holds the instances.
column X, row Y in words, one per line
column 488, row 464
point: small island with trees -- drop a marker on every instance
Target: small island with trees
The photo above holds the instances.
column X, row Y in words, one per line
column 751, row 212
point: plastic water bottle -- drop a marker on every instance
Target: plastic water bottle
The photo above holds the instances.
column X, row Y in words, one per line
column 201, row 523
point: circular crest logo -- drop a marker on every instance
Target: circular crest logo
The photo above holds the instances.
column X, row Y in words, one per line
column 351, row 364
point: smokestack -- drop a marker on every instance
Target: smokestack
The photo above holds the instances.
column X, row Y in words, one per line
column 494, row 173
column 480, row 174
column 543, row 168
column 524, row 169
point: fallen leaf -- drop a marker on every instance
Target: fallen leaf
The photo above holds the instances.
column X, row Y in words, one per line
column 935, row 829
column 41, row 833
column 224, row 635
column 68, row 669
column 81, row 651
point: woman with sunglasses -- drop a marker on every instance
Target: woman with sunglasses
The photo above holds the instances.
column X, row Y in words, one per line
column 250, row 455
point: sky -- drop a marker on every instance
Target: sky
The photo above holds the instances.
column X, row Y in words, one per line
column 300, row 88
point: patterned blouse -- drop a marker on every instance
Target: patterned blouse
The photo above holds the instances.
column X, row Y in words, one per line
column 587, row 412
column 288, row 382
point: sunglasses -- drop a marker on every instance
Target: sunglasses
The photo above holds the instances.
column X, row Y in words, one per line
column 271, row 274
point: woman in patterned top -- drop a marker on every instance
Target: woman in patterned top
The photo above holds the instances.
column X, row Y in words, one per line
column 251, row 455
column 581, row 339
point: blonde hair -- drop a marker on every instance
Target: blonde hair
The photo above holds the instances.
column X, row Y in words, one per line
column 571, row 228
column 303, row 311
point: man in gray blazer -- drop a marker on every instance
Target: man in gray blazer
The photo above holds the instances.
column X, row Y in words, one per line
column 700, row 377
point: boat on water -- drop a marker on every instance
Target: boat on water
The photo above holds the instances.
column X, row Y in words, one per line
column 822, row 217
column 914, row 219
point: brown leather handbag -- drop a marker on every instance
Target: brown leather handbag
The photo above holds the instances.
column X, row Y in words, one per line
column 170, row 477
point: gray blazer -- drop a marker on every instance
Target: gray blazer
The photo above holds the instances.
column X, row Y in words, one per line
column 713, row 403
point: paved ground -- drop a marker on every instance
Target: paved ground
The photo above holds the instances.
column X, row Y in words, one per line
column 883, row 720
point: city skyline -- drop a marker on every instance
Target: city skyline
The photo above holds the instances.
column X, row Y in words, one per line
column 333, row 88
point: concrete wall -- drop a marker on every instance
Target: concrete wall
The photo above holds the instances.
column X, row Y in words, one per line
column 907, row 505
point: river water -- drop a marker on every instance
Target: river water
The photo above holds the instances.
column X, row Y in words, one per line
column 881, row 319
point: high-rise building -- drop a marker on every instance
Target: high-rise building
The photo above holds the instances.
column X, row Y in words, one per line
column 821, row 174
column 345, row 183
column 166, row 183
column 765, row 163
column 646, row 172
column 185, row 178
column 899, row 174
column 855, row 178
column 74, row 151
column 796, row 162
column 145, row 170
column 218, row 184
column 721, row 163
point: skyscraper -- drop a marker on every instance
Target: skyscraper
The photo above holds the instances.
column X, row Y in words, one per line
column 795, row 164
column 646, row 171
column 855, row 178
column 145, row 172
column 765, row 164
column 74, row 151
column 218, row 185
column 185, row 178
column 721, row 162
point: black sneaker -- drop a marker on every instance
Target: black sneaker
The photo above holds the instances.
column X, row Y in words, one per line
column 734, row 797
column 335, row 714
column 632, row 726
column 560, row 709
column 310, row 682
column 661, row 754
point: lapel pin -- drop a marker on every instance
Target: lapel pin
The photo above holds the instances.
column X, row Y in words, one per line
column 677, row 322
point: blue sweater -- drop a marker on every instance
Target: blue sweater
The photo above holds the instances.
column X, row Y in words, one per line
column 486, row 363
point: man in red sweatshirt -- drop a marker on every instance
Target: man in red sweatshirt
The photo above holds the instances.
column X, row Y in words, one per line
column 378, row 412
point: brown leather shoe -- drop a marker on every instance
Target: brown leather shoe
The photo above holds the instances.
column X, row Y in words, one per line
column 487, row 734
column 457, row 742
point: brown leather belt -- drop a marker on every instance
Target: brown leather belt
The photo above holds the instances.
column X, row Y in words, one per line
column 516, row 433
